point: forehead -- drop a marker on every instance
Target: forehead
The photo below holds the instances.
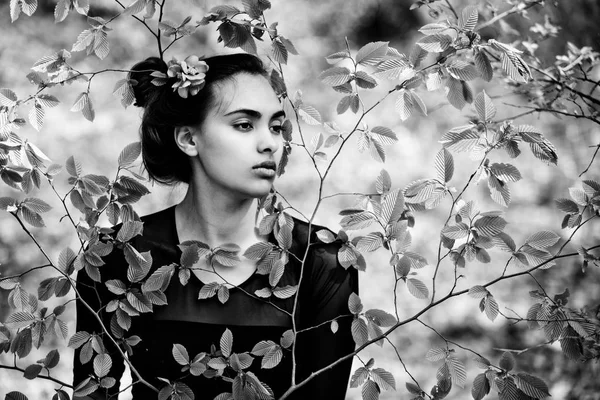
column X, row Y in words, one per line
column 245, row 91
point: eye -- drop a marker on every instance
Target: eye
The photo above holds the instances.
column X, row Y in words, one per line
column 243, row 126
column 277, row 129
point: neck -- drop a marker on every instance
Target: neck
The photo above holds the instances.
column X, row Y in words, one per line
column 215, row 219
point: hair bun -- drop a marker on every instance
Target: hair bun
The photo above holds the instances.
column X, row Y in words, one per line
column 144, row 90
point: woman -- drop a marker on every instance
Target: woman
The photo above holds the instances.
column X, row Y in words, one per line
column 216, row 125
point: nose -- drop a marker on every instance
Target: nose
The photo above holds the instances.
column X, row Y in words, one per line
column 268, row 142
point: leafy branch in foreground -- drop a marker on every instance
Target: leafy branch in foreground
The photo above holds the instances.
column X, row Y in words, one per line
column 448, row 59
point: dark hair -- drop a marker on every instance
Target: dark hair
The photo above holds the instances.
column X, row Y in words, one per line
column 165, row 110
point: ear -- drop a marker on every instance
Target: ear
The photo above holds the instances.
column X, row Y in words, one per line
column 185, row 140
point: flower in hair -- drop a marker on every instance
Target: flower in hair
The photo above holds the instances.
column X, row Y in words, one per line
column 190, row 74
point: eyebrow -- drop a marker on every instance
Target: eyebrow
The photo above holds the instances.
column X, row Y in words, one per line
column 255, row 114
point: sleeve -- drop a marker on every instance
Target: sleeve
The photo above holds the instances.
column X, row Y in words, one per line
column 97, row 296
column 326, row 289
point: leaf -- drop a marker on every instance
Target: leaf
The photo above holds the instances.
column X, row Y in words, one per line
column 484, row 66
column 285, row 292
column 457, row 92
column 15, row 395
column 226, row 343
column 309, row 115
column 279, row 51
column 444, row 165
column 32, row 371
column 433, row 28
column 78, row 339
column 478, row 292
column 102, row 364
column 354, row 304
column 436, row 354
column 83, row 103
column 358, row 377
column 491, row 307
column 335, row 76
column 457, row 231
column 417, row 288
column 490, row 225
column 468, row 18
column 499, row 191
column 458, row 372
column 531, row 385
column 371, row 53
column 383, row 378
column 370, row 390
column 542, row 240
column 19, row 320
column 462, row 70
column 507, row 361
column 52, row 359
column 272, row 358
column 261, row 348
column 360, row 331
column 435, row 43
column 460, row 139
column 418, row 103
column 481, row 387
column 129, row 154
column 36, row 117
column 505, row 172
column 326, row 236
column 484, row 106
column 404, row 104
column 381, row 318
column 365, row 80
column 180, row 354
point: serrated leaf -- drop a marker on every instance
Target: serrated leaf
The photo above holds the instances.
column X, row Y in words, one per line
column 460, row 139
column 404, row 104
column 542, row 240
column 371, row 53
column 335, row 76
column 226, row 343
column 435, row 43
column 484, row 107
column 444, row 165
column 383, row 378
column 417, row 288
column 436, row 354
column 478, row 292
column 102, row 364
column 491, row 307
column 457, row 370
column 490, row 225
column 358, row 377
column 309, row 114
column 468, row 18
column 481, row 387
column 360, row 331
column 370, row 390
column 272, row 358
column 381, row 318
column 531, row 385
column 180, row 354
column 505, row 172
column 462, row 70
column 129, row 154
column 354, row 304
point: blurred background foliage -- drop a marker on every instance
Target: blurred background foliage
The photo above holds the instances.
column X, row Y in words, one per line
column 319, row 28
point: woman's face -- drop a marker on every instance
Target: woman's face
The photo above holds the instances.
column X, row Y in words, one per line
column 239, row 144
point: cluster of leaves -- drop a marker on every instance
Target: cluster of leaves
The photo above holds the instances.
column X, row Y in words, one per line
column 458, row 55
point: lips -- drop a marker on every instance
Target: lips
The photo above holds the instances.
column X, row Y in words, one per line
column 266, row 165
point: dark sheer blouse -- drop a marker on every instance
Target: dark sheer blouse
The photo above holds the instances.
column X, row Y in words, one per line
column 198, row 324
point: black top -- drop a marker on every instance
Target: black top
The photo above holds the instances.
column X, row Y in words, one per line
column 198, row 324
